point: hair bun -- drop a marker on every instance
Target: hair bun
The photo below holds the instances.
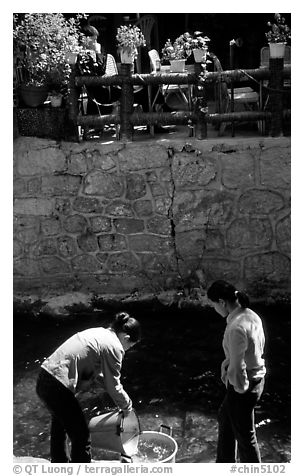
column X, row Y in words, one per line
column 122, row 317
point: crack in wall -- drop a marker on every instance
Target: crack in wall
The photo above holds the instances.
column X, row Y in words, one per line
column 171, row 216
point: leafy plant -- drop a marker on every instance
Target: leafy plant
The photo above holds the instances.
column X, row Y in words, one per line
column 41, row 41
column 279, row 32
column 183, row 46
column 130, row 37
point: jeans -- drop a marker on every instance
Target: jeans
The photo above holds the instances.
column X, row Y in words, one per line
column 236, row 429
column 67, row 420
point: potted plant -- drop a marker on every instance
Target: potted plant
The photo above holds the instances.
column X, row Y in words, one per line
column 198, row 44
column 129, row 38
column 41, row 41
column 177, row 52
column 277, row 36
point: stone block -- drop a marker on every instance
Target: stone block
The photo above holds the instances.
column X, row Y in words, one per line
column 100, row 224
column 260, row 202
column 143, row 208
column 76, row 164
column 137, row 157
column 119, row 208
column 75, row 224
column 238, row 170
column 108, row 185
column 122, row 263
column 44, row 161
column 33, row 206
column 150, row 243
column 283, row 235
column 34, row 186
column 191, row 171
column 249, row 234
column 221, row 268
column 159, row 225
column 112, row 242
column 63, row 205
column 128, row 225
column 26, row 267
column 60, row 185
column 87, row 242
column 190, row 243
column 275, row 168
column 86, row 263
column 46, row 246
column 17, row 248
column 87, row 205
column 272, row 265
column 136, row 186
column 98, row 160
column 53, row 265
column 163, row 205
column 66, row 246
column 20, row 188
column 26, row 228
column 50, row 226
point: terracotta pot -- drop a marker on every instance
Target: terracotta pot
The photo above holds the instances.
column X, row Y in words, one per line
column 199, row 55
column 56, row 101
column 277, row 50
column 178, row 66
column 71, row 57
column 33, row 96
column 127, row 55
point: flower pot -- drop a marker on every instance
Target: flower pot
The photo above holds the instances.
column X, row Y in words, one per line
column 56, row 101
column 277, row 50
column 178, row 66
column 71, row 57
column 33, row 96
column 199, row 55
column 127, row 55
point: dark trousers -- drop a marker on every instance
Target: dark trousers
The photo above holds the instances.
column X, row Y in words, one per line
column 236, row 429
column 67, row 420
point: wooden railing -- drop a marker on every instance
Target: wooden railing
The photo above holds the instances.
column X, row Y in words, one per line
column 198, row 114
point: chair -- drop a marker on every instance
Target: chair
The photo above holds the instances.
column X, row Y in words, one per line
column 246, row 97
column 148, row 25
column 168, row 89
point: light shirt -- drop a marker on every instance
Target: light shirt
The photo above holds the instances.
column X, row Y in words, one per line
column 92, row 353
column 243, row 344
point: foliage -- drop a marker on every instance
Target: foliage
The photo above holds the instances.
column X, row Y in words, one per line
column 183, row 46
column 279, row 32
column 41, row 41
column 130, row 37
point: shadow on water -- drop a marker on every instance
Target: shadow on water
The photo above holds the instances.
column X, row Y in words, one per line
column 172, row 377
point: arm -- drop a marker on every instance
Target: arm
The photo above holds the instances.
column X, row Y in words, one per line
column 237, row 374
column 112, row 361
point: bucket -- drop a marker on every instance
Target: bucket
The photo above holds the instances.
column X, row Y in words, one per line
column 115, row 432
column 156, row 447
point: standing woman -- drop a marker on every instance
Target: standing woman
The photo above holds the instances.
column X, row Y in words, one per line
column 92, row 353
column 242, row 372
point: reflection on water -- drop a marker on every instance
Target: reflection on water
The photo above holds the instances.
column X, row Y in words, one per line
column 172, row 377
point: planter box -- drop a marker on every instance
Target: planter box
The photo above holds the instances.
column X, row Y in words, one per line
column 45, row 122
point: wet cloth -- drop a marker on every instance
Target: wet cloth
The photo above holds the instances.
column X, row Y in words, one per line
column 243, row 344
column 87, row 355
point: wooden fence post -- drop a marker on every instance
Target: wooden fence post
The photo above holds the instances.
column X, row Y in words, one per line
column 200, row 106
column 126, row 104
column 73, row 105
column 276, row 66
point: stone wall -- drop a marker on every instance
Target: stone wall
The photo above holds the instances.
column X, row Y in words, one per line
column 132, row 218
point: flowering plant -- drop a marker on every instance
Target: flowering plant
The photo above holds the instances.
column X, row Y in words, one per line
column 130, row 37
column 183, row 46
column 41, row 41
column 279, row 32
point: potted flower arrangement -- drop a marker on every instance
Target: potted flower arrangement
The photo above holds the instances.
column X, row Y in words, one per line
column 41, row 41
column 176, row 53
column 129, row 38
column 277, row 36
column 198, row 44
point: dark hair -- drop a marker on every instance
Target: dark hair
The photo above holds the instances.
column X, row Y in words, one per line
column 222, row 290
column 123, row 322
column 90, row 30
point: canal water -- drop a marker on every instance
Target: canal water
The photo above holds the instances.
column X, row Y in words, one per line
column 172, row 377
